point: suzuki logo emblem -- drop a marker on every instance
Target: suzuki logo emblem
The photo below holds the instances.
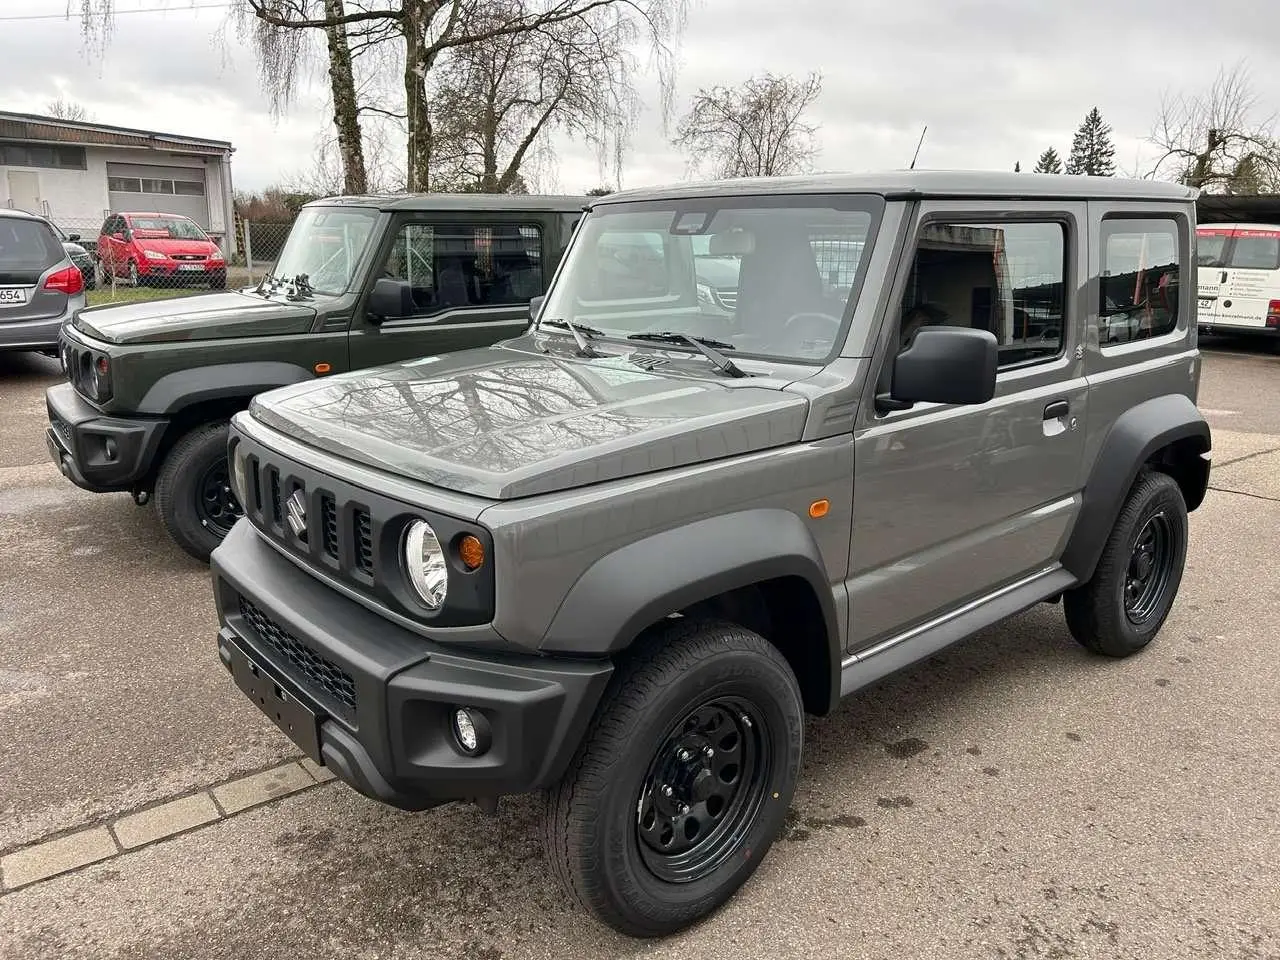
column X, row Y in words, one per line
column 296, row 513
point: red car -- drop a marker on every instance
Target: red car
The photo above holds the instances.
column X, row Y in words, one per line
column 159, row 248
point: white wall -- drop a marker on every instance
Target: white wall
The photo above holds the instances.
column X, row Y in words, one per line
column 78, row 198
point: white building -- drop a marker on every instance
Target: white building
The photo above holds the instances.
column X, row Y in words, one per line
column 76, row 173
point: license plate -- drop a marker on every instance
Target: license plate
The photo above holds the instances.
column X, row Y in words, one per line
column 297, row 722
column 1206, row 303
column 12, row 295
column 191, row 267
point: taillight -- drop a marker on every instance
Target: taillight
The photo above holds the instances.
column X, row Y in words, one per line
column 1273, row 314
column 68, row 281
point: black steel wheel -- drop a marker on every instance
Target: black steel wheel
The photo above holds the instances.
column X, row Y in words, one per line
column 1136, row 581
column 218, row 508
column 193, row 491
column 705, row 782
column 683, row 780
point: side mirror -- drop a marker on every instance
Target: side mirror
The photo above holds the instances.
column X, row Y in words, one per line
column 944, row 365
column 73, row 237
column 390, row 299
column 535, row 307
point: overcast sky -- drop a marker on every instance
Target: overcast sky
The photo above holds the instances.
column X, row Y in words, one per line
column 997, row 81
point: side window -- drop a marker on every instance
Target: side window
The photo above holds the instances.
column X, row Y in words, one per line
column 1007, row 278
column 454, row 266
column 1255, row 250
column 1139, row 282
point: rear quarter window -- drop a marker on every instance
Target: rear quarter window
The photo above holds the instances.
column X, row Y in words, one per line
column 27, row 245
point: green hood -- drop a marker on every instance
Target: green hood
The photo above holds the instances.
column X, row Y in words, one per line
column 210, row 316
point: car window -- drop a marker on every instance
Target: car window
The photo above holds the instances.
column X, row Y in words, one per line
column 452, row 266
column 1255, row 250
column 174, row 228
column 27, row 245
column 1211, row 247
column 1140, row 279
column 1007, row 278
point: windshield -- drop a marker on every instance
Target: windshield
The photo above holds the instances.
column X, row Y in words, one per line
column 759, row 277
column 326, row 243
column 166, row 228
column 1241, row 248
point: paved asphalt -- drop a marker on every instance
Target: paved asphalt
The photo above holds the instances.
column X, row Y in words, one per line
column 1014, row 797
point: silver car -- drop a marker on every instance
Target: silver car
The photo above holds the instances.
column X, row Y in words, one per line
column 39, row 285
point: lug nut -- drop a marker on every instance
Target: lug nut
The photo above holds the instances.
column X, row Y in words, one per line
column 684, row 754
column 708, row 752
column 666, row 790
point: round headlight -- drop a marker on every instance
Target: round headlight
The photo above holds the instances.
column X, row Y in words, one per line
column 425, row 563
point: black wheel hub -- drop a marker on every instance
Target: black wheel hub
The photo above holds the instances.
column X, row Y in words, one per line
column 1150, row 567
column 705, row 785
column 216, row 503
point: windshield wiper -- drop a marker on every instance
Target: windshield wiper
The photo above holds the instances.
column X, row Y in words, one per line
column 580, row 334
column 708, row 347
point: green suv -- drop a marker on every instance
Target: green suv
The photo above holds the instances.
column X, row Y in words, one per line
column 360, row 281
column 619, row 557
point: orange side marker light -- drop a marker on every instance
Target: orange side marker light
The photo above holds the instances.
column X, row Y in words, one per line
column 819, row 508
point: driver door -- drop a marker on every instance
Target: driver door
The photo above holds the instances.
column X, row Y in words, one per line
column 471, row 283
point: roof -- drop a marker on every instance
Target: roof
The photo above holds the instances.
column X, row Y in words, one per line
column 1262, row 208
column 15, row 213
column 461, row 202
column 920, row 184
column 30, row 127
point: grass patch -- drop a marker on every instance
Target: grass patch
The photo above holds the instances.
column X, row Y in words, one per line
column 107, row 295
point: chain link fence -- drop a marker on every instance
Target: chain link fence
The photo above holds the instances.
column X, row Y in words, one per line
column 151, row 264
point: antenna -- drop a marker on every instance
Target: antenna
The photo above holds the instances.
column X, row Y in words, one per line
column 918, row 145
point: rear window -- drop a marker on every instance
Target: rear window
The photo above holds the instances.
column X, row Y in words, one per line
column 27, row 245
column 1240, row 249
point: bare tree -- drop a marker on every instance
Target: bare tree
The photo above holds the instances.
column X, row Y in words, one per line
column 66, row 110
column 496, row 98
column 1218, row 140
column 427, row 30
column 753, row 130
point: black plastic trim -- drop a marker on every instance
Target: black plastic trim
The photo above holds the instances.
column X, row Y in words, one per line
column 1138, row 434
column 77, row 436
column 183, row 388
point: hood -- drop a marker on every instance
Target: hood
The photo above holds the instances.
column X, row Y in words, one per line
column 170, row 246
column 501, row 423
column 208, row 316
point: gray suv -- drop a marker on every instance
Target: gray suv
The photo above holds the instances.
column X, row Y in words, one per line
column 40, row 286
column 620, row 557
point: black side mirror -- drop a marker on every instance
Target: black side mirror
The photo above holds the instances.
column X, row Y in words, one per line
column 944, row 365
column 73, row 237
column 535, row 307
column 390, row 299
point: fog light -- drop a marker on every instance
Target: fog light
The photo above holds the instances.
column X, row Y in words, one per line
column 471, row 731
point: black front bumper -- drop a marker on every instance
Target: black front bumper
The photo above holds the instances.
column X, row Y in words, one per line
column 374, row 701
column 97, row 452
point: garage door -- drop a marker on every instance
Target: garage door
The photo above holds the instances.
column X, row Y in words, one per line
column 146, row 188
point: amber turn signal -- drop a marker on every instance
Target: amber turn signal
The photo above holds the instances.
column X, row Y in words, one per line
column 819, row 508
column 471, row 552
column 322, row 368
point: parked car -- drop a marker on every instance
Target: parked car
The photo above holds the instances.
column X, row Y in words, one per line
column 159, row 248
column 619, row 556
column 1239, row 280
column 360, row 281
column 40, row 287
column 79, row 254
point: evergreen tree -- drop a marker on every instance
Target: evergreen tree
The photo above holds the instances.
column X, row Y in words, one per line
column 1049, row 162
column 1092, row 152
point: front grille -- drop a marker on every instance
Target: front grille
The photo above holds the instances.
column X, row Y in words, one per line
column 364, row 541
column 728, row 298
column 329, row 524
column 318, row 673
column 188, row 256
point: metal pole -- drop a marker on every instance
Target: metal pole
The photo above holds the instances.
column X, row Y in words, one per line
column 248, row 250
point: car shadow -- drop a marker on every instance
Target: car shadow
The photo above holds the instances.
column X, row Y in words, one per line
column 20, row 366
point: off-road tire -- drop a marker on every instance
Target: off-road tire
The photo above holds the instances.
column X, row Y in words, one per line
column 178, row 488
column 1096, row 614
column 591, row 821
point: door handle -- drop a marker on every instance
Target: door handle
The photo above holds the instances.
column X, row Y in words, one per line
column 1056, row 410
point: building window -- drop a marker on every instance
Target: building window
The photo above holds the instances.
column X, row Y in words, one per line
column 41, row 155
column 188, row 188
column 1003, row 277
column 1139, row 296
column 124, row 184
column 157, row 186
